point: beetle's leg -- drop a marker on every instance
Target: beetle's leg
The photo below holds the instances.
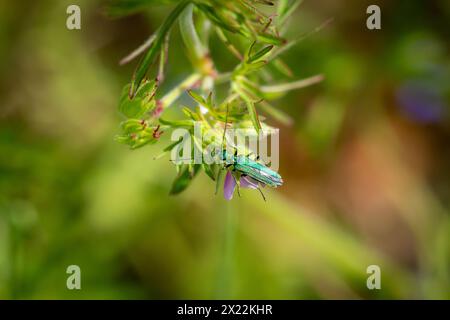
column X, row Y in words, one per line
column 256, row 158
column 237, row 185
column 268, row 164
column 262, row 194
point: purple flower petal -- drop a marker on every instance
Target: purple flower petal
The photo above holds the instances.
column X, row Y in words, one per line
column 248, row 182
column 228, row 187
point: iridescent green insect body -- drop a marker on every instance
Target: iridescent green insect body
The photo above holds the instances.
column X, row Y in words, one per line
column 244, row 171
column 255, row 170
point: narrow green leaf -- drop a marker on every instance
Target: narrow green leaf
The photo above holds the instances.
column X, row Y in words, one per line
column 142, row 102
column 276, row 113
column 137, row 140
column 216, row 18
column 177, row 123
column 282, row 67
column 290, row 44
column 228, row 44
column 275, row 91
column 255, row 66
column 253, row 115
column 139, row 143
column 189, row 35
column 136, row 52
column 266, row 2
column 260, row 54
column 202, row 102
column 285, row 10
column 168, row 148
column 283, row 6
column 150, row 56
column 219, row 179
column 132, row 126
column 250, row 106
column 197, row 97
column 163, row 56
column 210, row 171
column 251, row 88
column 209, row 100
column 270, row 39
column 183, row 180
column 172, row 145
column 191, row 114
column 249, row 51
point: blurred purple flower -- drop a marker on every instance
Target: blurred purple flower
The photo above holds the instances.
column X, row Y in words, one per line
column 248, row 182
column 229, row 186
column 244, row 182
column 421, row 102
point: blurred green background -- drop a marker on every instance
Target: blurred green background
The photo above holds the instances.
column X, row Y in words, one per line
column 365, row 165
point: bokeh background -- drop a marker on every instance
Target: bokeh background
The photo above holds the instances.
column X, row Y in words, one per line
column 365, row 165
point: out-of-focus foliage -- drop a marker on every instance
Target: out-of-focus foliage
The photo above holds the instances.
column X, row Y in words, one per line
column 365, row 165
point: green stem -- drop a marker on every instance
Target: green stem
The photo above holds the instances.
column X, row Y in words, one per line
column 197, row 51
column 136, row 52
column 285, row 87
column 225, row 277
column 189, row 34
column 175, row 93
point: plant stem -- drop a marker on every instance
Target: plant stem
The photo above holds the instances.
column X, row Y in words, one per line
column 285, row 87
column 175, row 93
column 198, row 53
column 226, row 273
column 189, row 34
column 138, row 50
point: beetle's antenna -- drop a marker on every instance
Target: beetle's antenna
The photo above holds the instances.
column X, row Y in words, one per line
column 225, row 127
column 171, row 160
column 238, row 186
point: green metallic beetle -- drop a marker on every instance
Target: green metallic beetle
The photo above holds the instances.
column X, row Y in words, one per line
column 247, row 173
column 253, row 169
